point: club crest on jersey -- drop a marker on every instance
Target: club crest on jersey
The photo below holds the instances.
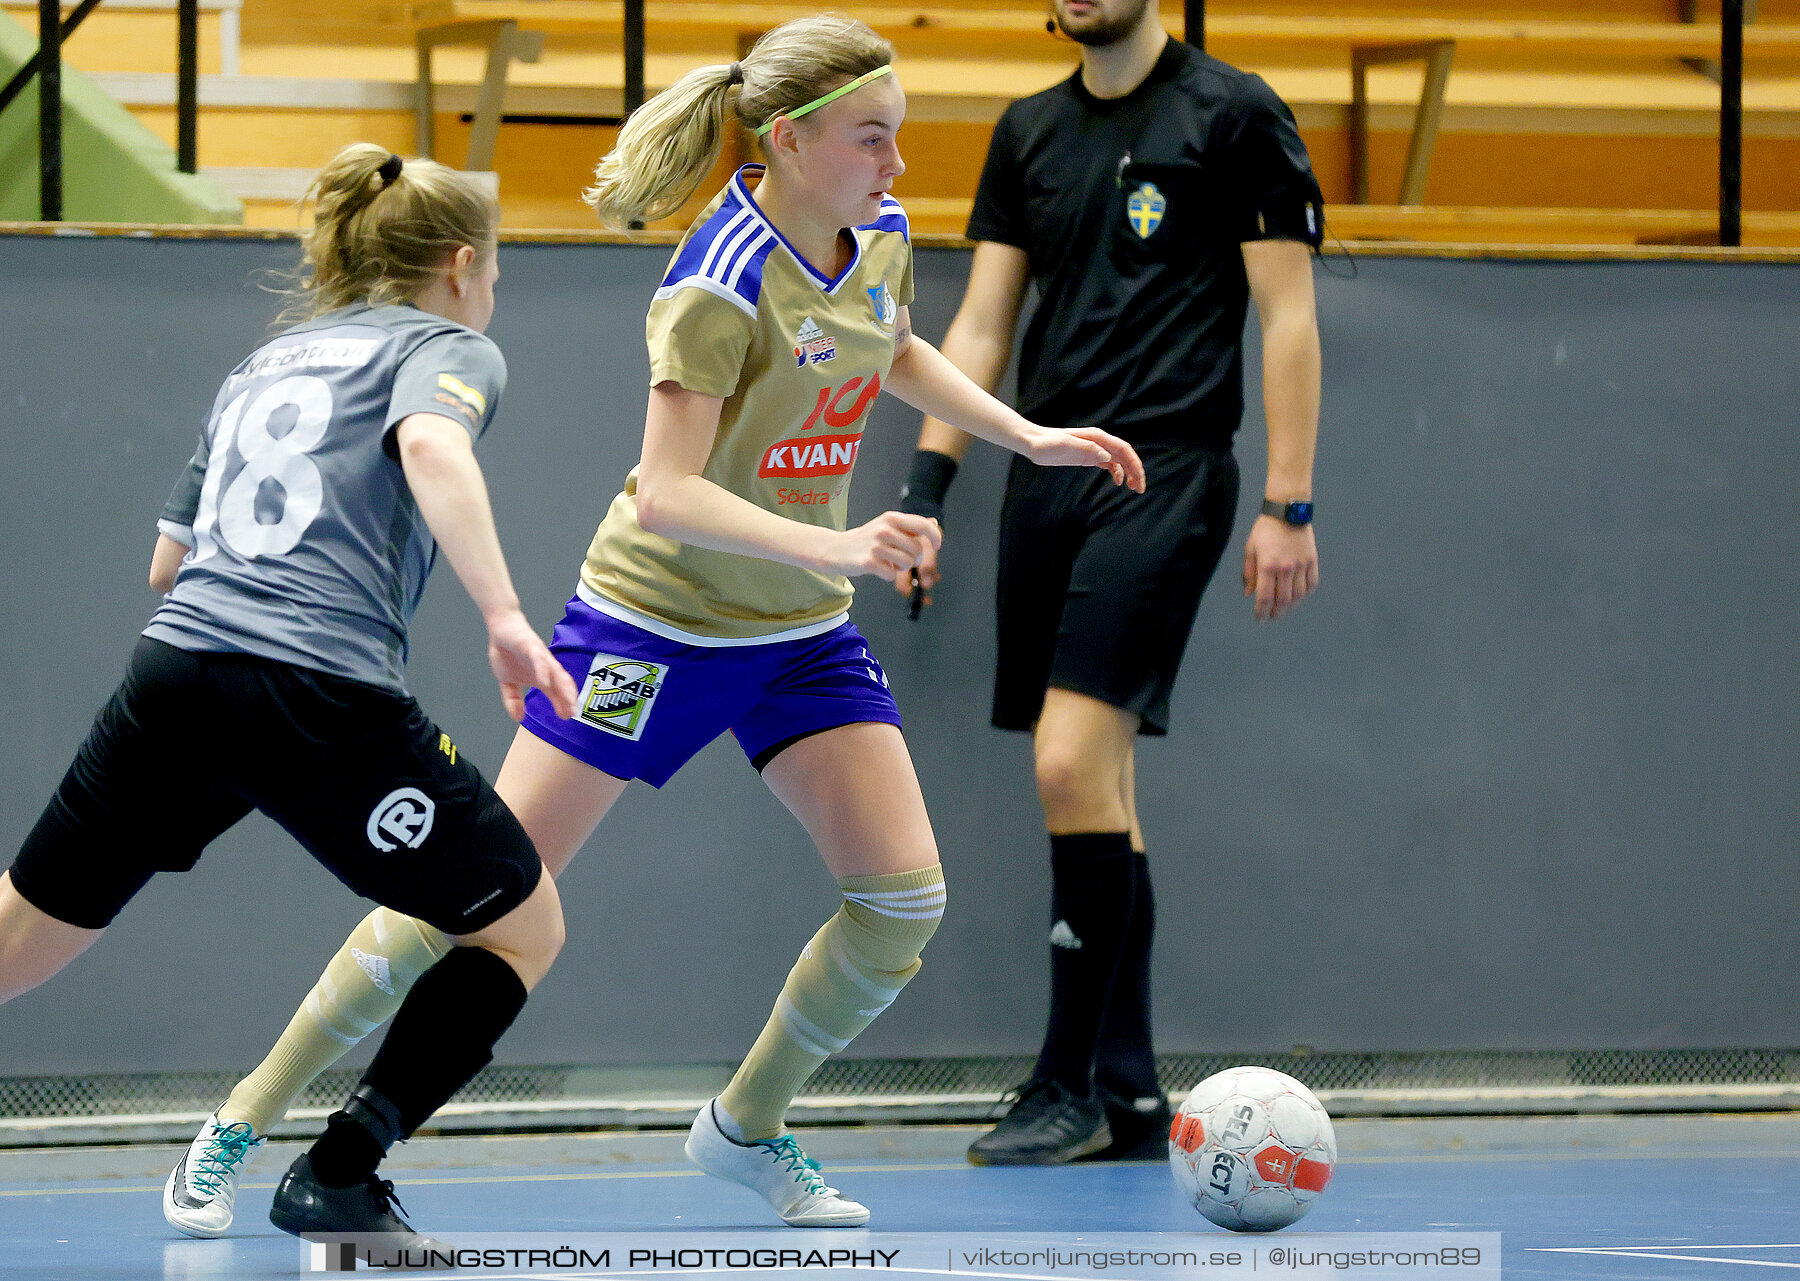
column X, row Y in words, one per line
column 619, row 694
column 883, row 303
column 812, row 345
column 1144, row 209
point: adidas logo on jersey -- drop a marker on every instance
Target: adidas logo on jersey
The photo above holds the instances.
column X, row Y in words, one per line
column 376, row 967
column 1062, row 935
column 813, row 345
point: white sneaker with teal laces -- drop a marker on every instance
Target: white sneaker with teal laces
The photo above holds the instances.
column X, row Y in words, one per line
column 777, row 1168
column 203, row 1186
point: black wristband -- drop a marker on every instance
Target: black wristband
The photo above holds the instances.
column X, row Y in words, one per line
column 926, row 484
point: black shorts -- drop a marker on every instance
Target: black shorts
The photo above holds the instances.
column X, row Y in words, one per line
column 1098, row 586
column 192, row 742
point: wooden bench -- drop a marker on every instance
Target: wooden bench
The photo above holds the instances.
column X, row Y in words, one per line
column 515, row 29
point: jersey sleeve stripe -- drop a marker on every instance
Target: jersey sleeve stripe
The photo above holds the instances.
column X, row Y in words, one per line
column 721, row 269
column 892, row 218
column 726, row 237
column 702, row 249
column 687, row 260
column 753, row 253
column 724, row 257
column 711, row 286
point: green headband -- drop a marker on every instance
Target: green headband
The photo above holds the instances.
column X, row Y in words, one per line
column 833, row 96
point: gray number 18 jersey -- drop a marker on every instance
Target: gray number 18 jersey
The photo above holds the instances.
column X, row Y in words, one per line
column 307, row 545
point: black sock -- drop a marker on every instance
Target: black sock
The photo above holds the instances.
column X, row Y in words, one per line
column 442, row 1036
column 1090, row 907
column 1125, row 1062
column 346, row 1153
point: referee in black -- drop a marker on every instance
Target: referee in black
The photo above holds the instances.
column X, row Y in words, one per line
column 1148, row 198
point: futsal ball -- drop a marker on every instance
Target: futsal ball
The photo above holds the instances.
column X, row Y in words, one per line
column 1252, row 1149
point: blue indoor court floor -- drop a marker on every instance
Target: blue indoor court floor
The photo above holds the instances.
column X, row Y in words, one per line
column 1619, row 1198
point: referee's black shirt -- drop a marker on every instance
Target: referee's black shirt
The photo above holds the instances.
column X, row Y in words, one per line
column 1133, row 211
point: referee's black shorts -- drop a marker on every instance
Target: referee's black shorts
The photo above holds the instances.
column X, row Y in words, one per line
column 1098, row 585
column 192, row 742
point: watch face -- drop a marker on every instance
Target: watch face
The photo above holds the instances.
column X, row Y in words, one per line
column 1299, row 513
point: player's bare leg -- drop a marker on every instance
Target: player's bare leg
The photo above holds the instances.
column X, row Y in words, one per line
column 854, row 790
column 1083, row 751
column 33, row 944
column 558, row 799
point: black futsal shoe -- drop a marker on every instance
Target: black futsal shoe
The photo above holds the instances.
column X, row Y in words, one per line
column 1049, row 1125
column 1140, row 1127
column 361, row 1215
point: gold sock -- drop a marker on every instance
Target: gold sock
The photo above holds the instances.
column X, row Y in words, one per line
column 360, row 989
column 851, row 971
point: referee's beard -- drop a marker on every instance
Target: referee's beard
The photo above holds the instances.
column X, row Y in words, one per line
column 1104, row 22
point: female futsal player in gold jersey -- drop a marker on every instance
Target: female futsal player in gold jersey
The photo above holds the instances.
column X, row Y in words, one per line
column 715, row 594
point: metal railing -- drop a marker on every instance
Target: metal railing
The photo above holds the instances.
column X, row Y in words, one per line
column 53, row 30
column 46, row 64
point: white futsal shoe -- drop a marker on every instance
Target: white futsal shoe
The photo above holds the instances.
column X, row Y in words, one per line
column 203, row 1186
column 778, row 1169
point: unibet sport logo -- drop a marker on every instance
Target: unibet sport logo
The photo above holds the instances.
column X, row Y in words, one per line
column 620, row 693
column 403, row 817
column 813, row 344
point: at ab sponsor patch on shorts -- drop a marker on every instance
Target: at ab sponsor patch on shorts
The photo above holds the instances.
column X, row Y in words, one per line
column 619, row 694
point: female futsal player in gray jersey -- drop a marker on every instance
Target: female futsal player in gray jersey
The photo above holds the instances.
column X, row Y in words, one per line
column 337, row 459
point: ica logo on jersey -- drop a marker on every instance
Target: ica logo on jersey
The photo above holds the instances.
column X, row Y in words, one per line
column 840, row 406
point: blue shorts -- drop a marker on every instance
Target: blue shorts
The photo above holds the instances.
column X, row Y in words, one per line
column 649, row 701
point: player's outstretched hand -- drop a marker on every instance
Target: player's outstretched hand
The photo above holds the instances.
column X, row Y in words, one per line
column 522, row 661
column 1281, row 566
column 1088, row 447
column 892, row 545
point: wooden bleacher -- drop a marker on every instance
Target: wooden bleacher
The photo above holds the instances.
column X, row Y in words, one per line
column 1596, row 129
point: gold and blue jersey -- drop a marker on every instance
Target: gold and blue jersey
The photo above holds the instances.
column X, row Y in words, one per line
column 798, row 358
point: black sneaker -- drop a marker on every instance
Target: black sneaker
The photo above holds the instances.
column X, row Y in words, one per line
column 360, row 1215
column 1140, row 1127
column 1047, row 1126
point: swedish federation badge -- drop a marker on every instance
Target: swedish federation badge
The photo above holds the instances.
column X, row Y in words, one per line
column 1144, row 209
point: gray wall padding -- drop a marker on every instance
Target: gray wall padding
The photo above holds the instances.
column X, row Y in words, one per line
column 1523, row 775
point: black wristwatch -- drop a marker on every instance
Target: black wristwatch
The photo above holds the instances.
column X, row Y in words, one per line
column 1296, row 514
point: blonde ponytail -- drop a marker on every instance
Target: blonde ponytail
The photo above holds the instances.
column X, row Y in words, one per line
column 672, row 142
column 383, row 229
column 665, row 149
